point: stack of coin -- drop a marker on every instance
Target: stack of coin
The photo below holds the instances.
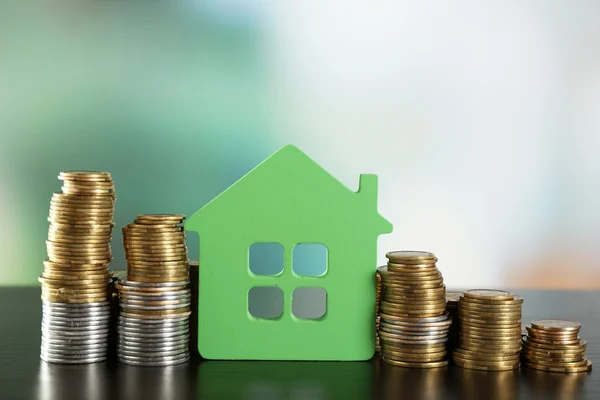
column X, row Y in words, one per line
column 452, row 307
column 554, row 345
column 490, row 330
column 75, row 282
column 155, row 298
column 377, row 318
column 194, row 288
column 414, row 321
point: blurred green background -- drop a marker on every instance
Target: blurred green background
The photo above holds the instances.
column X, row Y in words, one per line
column 481, row 120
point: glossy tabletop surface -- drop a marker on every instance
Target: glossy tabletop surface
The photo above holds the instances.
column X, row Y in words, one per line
column 24, row 376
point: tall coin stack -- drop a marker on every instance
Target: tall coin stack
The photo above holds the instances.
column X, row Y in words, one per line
column 75, row 281
column 377, row 318
column 414, row 321
column 490, row 330
column 155, row 298
column 194, row 288
column 554, row 345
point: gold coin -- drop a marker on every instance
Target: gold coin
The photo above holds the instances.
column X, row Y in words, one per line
column 583, row 368
column 73, row 300
column 480, row 367
column 436, row 364
column 489, row 348
column 489, row 362
column 79, row 260
column 86, row 230
column 410, row 257
column 145, row 279
column 74, row 175
column 552, row 342
column 556, row 325
column 431, row 357
column 490, row 338
column 467, row 355
column 546, row 360
column 158, row 272
column 567, row 353
column 452, row 297
column 139, row 228
column 488, row 294
column 517, row 300
column 582, row 344
column 158, row 218
column 58, row 208
column 487, row 310
column 535, row 334
column 397, row 267
column 138, row 264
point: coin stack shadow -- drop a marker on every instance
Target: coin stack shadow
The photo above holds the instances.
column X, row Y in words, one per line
column 155, row 298
column 554, row 345
column 414, row 322
column 194, row 287
column 75, row 282
column 452, row 307
column 490, row 330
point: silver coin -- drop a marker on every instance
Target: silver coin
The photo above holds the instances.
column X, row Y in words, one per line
column 418, row 321
column 128, row 305
column 152, row 352
column 70, row 346
column 78, row 336
column 154, row 355
column 152, row 284
column 79, row 353
column 415, row 329
column 151, row 347
column 162, row 362
column 415, row 334
column 154, row 339
column 134, row 323
column 186, row 313
column 59, row 360
column 85, row 320
column 91, row 330
column 74, row 356
column 166, row 325
column 416, row 341
column 76, row 315
column 73, row 344
column 162, row 342
column 58, row 325
column 138, row 320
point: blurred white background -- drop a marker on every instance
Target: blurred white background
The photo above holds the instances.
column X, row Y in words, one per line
column 482, row 119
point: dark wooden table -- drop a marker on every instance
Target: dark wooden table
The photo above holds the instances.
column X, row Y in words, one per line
column 24, row 376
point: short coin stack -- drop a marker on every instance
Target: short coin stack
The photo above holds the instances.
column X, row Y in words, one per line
column 490, row 330
column 75, row 282
column 377, row 318
column 155, row 299
column 414, row 322
column 553, row 345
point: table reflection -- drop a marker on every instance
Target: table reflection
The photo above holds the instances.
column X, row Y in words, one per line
column 493, row 385
column 278, row 380
column 409, row 383
column 554, row 385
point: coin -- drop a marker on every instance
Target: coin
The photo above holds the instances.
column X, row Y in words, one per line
column 477, row 366
column 437, row 364
column 554, row 325
column 583, row 368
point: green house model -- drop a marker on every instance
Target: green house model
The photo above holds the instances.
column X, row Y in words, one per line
column 292, row 203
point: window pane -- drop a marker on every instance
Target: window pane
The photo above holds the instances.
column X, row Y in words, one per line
column 309, row 302
column 265, row 302
column 309, row 259
column 266, row 258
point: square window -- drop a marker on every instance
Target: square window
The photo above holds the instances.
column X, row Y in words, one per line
column 309, row 259
column 265, row 258
column 309, row 302
column 265, row 302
